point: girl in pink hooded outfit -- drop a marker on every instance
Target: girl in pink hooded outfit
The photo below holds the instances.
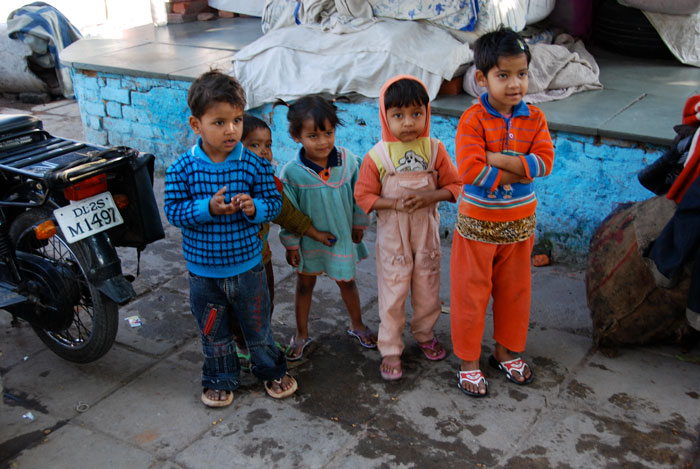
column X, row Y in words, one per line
column 403, row 177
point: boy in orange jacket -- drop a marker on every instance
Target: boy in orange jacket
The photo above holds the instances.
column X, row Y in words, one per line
column 502, row 144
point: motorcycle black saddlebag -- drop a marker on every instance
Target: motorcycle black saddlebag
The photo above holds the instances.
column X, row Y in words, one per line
column 142, row 224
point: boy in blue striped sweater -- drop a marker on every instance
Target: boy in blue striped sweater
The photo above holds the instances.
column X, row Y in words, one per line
column 220, row 239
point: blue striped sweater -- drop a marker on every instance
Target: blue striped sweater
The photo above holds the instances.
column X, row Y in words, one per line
column 225, row 245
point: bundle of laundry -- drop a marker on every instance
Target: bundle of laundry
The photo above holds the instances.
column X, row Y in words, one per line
column 557, row 71
column 465, row 19
column 290, row 62
column 47, row 32
column 457, row 14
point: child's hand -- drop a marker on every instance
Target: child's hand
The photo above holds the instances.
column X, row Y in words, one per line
column 322, row 237
column 293, row 257
column 415, row 201
column 244, row 202
column 357, row 235
column 218, row 205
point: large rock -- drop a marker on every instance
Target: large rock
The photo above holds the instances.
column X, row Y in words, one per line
column 627, row 307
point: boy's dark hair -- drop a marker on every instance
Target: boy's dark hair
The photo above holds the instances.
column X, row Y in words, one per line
column 405, row 92
column 250, row 123
column 314, row 107
column 214, row 87
column 504, row 42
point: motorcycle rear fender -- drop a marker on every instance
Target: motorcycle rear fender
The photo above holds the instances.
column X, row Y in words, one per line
column 104, row 269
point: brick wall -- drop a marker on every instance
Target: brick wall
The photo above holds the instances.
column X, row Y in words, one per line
column 183, row 11
column 145, row 113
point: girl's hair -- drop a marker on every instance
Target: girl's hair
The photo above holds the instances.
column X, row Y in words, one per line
column 251, row 123
column 405, row 92
column 314, row 107
column 214, row 87
column 504, row 42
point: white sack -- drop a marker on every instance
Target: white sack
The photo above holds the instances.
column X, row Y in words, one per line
column 294, row 61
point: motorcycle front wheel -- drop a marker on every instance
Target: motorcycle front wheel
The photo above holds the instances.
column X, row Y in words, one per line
column 95, row 317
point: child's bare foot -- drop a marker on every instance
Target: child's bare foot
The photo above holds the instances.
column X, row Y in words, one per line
column 473, row 388
column 367, row 338
column 522, row 376
column 433, row 349
column 296, row 348
column 281, row 388
column 216, row 397
column 391, row 368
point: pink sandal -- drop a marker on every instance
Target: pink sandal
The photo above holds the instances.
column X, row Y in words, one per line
column 432, row 347
column 396, row 372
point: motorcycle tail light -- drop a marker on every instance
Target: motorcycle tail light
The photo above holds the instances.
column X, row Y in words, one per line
column 45, row 230
column 87, row 188
column 121, row 201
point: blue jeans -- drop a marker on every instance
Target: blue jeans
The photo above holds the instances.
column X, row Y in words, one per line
column 214, row 303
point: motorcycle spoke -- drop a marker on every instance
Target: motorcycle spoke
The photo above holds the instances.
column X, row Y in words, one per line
column 81, row 328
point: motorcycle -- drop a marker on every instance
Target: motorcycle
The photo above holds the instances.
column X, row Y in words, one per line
column 64, row 208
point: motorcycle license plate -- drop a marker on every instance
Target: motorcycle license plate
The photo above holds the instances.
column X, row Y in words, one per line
column 87, row 217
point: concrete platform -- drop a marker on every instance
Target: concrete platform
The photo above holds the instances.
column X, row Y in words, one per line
column 139, row 405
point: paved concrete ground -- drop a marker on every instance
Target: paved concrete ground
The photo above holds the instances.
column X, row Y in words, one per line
column 139, row 405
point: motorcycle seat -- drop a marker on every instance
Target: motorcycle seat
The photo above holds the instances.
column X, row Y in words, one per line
column 16, row 123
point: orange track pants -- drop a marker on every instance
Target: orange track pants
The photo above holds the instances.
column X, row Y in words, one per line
column 478, row 271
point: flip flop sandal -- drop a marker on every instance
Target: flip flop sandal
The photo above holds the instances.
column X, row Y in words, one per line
column 364, row 336
column 432, row 347
column 391, row 376
column 508, row 367
column 281, row 394
column 214, row 403
column 474, row 377
column 295, row 344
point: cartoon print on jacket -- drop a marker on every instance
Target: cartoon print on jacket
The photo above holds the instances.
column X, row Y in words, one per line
column 506, row 192
column 411, row 161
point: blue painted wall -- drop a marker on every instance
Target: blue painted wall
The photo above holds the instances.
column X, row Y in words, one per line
column 590, row 176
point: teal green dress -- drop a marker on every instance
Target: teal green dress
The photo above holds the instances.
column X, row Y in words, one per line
column 331, row 206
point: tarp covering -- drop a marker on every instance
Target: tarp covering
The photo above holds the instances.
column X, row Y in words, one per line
column 291, row 62
column 681, row 33
column 47, row 32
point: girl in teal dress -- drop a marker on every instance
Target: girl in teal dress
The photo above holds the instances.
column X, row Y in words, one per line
column 320, row 182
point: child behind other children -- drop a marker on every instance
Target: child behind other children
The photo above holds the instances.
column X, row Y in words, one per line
column 220, row 239
column 403, row 178
column 320, row 182
column 257, row 137
column 502, row 144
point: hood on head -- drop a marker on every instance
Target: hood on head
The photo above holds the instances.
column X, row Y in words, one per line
column 387, row 136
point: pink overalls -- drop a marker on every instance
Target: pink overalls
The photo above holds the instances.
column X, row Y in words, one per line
column 408, row 255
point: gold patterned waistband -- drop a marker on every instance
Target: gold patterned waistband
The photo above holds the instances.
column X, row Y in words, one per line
column 496, row 232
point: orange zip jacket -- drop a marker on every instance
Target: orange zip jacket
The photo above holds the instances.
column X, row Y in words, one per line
column 525, row 135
